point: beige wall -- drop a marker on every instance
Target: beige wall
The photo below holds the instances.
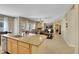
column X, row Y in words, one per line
column 11, row 24
column 56, row 25
column 39, row 25
column 1, row 17
column 77, row 28
column 70, row 34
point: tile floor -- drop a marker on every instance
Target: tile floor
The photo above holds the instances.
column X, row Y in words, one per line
column 55, row 46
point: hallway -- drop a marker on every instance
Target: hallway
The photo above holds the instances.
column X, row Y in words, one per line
column 55, row 46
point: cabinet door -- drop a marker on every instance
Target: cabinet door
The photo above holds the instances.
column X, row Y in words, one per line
column 4, row 44
column 23, row 50
column 9, row 46
column 14, row 46
column 23, row 44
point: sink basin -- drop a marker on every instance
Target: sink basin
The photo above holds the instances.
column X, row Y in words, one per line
column 17, row 36
column 31, row 34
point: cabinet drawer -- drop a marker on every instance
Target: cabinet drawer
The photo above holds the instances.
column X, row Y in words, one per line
column 12, row 45
column 13, row 41
column 23, row 50
column 23, row 44
column 9, row 46
column 14, row 48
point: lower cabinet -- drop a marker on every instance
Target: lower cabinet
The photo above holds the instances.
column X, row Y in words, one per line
column 9, row 46
column 4, row 43
column 18, row 47
column 23, row 50
column 12, row 46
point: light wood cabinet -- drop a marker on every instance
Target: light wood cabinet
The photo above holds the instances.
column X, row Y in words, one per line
column 23, row 44
column 23, row 50
column 12, row 46
column 18, row 47
column 9, row 46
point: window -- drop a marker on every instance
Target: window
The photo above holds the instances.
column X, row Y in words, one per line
column 1, row 25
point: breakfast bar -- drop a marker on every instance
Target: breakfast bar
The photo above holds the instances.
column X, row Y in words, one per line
column 15, row 44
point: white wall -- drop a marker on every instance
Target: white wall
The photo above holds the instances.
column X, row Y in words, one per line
column 77, row 28
column 70, row 34
column 64, row 29
column 16, row 26
column 71, row 27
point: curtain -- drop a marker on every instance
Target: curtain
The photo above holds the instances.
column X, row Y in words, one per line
column 6, row 27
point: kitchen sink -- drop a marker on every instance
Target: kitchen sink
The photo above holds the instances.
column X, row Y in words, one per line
column 17, row 36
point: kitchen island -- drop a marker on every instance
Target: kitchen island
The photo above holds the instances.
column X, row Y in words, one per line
column 21, row 45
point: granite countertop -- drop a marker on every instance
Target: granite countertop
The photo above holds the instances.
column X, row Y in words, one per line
column 31, row 39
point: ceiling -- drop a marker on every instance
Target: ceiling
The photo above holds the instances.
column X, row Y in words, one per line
column 48, row 12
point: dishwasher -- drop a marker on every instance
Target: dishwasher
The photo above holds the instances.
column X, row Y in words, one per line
column 4, row 44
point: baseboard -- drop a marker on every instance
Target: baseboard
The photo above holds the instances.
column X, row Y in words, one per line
column 69, row 44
